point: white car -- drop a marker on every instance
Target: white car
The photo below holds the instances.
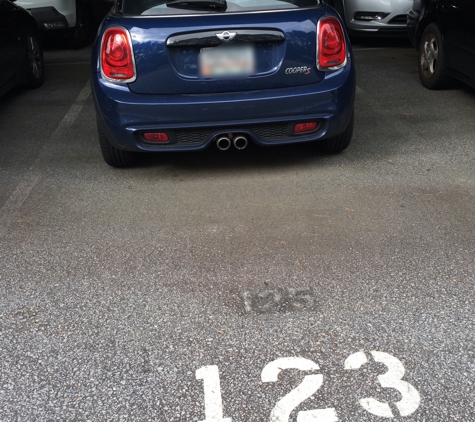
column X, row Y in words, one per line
column 75, row 18
column 374, row 17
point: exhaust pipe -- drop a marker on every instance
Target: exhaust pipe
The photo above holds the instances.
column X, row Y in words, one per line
column 223, row 143
column 240, row 142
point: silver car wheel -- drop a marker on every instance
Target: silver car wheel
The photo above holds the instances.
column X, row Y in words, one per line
column 34, row 56
column 429, row 56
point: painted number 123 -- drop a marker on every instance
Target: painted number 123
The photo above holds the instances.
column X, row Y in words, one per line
column 310, row 384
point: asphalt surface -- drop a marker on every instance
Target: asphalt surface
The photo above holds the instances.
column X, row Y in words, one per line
column 117, row 286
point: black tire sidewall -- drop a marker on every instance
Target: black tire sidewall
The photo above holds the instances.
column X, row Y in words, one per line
column 339, row 142
column 113, row 156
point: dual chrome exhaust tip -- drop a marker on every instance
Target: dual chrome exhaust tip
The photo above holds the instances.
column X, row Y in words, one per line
column 224, row 142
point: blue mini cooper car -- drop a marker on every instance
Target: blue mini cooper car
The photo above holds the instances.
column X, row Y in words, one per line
column 178, row 75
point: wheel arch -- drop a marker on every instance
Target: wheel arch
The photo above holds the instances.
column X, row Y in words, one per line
column 31, row 23
column 422, row 27
column 429, row 15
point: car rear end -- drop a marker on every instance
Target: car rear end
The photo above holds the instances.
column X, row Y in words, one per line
column 52, row 14
column 274, row 73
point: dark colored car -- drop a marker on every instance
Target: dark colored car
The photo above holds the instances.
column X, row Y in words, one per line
column 21, row 54
column 180, row 75
column 443, row 31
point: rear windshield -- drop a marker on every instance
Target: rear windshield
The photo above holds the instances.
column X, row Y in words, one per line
column 180, row 7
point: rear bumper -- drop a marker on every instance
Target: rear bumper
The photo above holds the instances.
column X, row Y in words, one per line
column 398, row 32
column 358, row 28
column 123, row 115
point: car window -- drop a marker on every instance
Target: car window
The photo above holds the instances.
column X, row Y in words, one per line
column 160, row 7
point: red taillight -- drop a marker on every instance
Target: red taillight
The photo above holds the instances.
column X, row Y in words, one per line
column 155, row 136
column 331, row 46
column 305, row 127
column 117, row 61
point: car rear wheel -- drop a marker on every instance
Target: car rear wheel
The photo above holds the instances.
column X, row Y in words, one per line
column 339, row 142
column 34, row 61
column 432, row 58
column 113, row 156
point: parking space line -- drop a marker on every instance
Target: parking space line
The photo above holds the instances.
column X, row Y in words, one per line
column 16, row 199
column 14, row 203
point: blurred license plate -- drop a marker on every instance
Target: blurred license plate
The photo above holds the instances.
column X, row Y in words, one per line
column 227, row 61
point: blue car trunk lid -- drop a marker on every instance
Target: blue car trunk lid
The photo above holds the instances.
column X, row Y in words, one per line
column 224, row 53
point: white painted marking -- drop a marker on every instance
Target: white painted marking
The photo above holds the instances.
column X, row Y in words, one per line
column 320, row 415
column 271, row 371
column 247, row 301
column 212, row 391
column 376, row 407
column 74, row 110
column 14, row 203
column 359, row 90
column 284, row 407
column 16, row 199
column 356, row 360
column 391, row 379
column 309, row 386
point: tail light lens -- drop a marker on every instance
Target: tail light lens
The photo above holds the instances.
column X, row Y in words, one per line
column 117, row 59
column 331, row 45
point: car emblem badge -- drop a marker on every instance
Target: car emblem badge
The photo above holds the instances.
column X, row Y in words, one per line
column 226, row 36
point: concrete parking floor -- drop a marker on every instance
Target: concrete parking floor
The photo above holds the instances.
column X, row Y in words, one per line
column 160, row 293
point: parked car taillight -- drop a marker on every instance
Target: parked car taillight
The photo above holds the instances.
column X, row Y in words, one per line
column 331, row 45
column 117, row 59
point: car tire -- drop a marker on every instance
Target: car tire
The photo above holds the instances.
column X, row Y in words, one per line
column 339, row 142
column 432, row 66
column 113, row 156
column 82, row 33
column 34, row 60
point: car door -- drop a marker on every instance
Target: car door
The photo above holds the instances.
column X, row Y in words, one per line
column 458, row 26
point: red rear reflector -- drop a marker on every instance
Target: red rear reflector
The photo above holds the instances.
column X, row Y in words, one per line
column 331, row 46
column 117, row 62
column 305, row 127
column 155, row 137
